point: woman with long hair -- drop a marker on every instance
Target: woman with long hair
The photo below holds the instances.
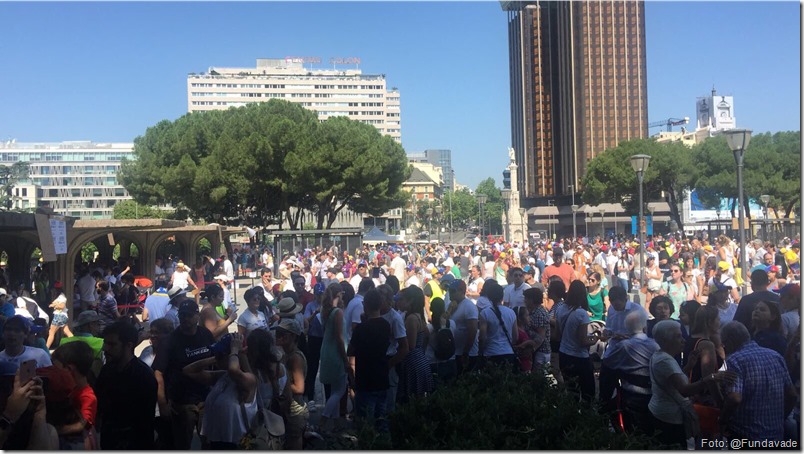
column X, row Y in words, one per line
column 335, row 370
column 445, row 370
column 572, row 322
column 703, row 353
column 597, row 297
column 767, row 320
column 415, row 378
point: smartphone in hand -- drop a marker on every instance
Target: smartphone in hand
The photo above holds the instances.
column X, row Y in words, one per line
column 27, row 371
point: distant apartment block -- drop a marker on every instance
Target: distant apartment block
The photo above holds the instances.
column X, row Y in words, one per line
column 439, row 158
column 330, row 92
column 73, row 178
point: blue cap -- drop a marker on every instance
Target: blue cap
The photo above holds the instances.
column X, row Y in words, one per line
column 222, row 346
column 319, row 288
column 447, row 279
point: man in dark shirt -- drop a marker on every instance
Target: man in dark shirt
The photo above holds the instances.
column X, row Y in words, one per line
column 759, row 292
column 187, row 344
column 126, row 391
column 369, row 343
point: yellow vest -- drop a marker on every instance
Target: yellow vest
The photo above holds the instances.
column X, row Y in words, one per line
column 435, row 287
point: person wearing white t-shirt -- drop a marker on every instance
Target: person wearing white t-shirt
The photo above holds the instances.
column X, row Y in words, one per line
column 498, row 328
column 351, row 316
column 362, row 272
column 398, row 265
column 412, row 277
column 475, row 284
column 15, row 330
column 512, row 294
column 251, row 318
column 463, row 312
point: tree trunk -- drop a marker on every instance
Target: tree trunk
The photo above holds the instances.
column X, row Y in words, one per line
column 675, row 214
column 747, row 211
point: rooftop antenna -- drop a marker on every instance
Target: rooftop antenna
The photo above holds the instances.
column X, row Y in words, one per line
column 713, row 90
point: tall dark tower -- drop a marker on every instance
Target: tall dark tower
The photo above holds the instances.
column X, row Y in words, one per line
column 578, row 87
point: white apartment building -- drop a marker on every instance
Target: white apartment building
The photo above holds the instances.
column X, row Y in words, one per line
column 330, row 92
column 73, row 178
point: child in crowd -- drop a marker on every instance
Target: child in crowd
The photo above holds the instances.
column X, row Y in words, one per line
column 77, row 357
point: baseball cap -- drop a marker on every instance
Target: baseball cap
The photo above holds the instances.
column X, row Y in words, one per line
column 58, row 285
column 447, row 278
column 188, row 307
column 772, row 269
column 288, row 324
column 20, row 321
column 223, row 345
column 723, row 265
column 319, row 288
column 3, row 292
column 457, row 284
column 29, row 325
column 222, row 277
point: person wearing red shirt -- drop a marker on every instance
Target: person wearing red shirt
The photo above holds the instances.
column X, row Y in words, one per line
column 558, row 268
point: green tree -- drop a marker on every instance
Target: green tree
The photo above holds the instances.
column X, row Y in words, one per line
column 264, row 161
column 611, row 179
column 222, row 166
column 129, row 209
column 349, row 164
column 493, row 208
column 464, row 208
column 772, row 165
column 10, row 176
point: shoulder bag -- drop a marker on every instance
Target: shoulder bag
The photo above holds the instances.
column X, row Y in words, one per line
column 267, row 431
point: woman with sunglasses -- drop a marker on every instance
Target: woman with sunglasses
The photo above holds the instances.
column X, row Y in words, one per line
column 677, row 288
column 598, row 298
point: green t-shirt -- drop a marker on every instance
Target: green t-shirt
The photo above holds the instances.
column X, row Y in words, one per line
column 596, row 305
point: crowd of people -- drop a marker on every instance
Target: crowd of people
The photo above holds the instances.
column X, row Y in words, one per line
column 663, row 337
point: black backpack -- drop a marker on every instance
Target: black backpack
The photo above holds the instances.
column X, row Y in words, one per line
column 444, row 347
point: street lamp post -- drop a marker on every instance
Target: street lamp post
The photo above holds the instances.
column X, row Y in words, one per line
column 639, row 163
column 574, row 210
column 429, row 213
column 522, row 224
column 481, row 200
column 738, row 141
column 506, row 228
column 438, row 221
column 450, row 215
column 765, row 199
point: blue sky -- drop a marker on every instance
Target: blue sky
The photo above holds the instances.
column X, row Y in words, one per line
column 107, row 71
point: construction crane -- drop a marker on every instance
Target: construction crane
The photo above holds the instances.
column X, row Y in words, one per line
column 670, row 122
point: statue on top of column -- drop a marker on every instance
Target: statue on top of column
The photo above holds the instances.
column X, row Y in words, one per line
column 511, row 155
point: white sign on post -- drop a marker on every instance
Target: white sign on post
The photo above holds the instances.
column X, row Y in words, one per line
column 58, row 229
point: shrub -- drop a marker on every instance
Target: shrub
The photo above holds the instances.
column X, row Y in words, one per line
column 497, row 409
